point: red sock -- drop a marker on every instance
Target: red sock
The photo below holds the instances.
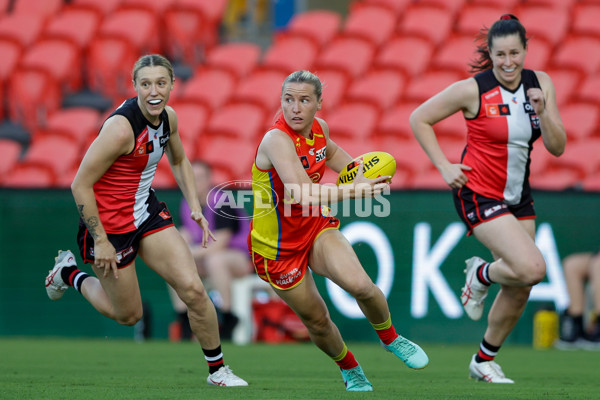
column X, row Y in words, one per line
column 346, row 359
column 386, row 331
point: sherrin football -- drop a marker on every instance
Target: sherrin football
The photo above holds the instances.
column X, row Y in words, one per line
column 376, row 164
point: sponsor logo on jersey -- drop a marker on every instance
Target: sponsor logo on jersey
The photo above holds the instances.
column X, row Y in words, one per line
column 497, row 110
column 528, row 108
column 321, row 154
column 535, row 121
column 492, row 94
column 493, row 210
column 144, row 149
column 305, row 162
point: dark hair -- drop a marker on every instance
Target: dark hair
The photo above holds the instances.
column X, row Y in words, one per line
column 152, row 60
column 507, row 25
column 304, row 77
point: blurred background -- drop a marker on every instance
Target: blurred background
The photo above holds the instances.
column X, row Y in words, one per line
column 67, row 64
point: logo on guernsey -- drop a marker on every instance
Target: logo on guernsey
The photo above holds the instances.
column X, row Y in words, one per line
column 237, row 194
column 497, row 110
column 494, row 93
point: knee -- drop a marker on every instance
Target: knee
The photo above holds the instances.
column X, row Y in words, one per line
column 192, row 294
column 363, row 291
column 532, row 271
column 319, row 325
column 129, row 319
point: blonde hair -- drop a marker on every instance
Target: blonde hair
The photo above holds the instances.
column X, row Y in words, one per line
column 304, row 76
column 152, row 60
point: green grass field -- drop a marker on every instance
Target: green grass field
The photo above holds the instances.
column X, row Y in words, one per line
column 34, row 368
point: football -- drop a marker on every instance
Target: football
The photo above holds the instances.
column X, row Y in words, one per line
column 376, row 164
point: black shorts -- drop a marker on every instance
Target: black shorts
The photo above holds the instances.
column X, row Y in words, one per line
column 474, row 208
column 127, row 244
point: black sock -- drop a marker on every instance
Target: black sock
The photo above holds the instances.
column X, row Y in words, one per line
column 214, row 359
column 184, row 324
column 483, row 274
column 487, row 352
column 228, row 323
column 73, row 276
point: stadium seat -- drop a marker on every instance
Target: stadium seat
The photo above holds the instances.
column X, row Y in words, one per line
column 548, row 23
column 185, row 29
column 233, row 155
column 569, row 54
column 33, row 96
column 589, row 90
column 101, row 7
column 452, row 147
column 582, row 155
column 453, row 127
column 352, row 120
column 379, row 88
column 155, row 7
column 566, row 83
column 27, row 175
column 21, row 28
column 210, row 12
column 137, row 27
column 408, row 154
column 163, row 178
column 428, row 84
column 457, row 53
column 472, row 18
column 192, row 120
column 109, row 64
column 395, row 6
column 334, row 85
column 290, row 54
column 429, row 179
column 393, row 55
column 538, row 54
column 394, row 122
column 370, row 22
column 556, row 179
column 262, row 88
column 11, row 54
column 11, row 152
column 242, row 121
column 585, row 19
column 78, row 124
column 430, row 22
column 66, row 63
column 237, row 58
column 76, row 25
column 321, row 26
column 349, row 55
column 57, row 153
column 451, row 7
column 591, row 183
column 45, row 9
column 209, row 87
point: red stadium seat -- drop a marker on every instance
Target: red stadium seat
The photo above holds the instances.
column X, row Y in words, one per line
column 453, row 127
column 185, row 29
column 352, row 120
column 262, row 88
column 372, row 23
column 379, row 88
column 76, row 25
column 155, row 7
column 290, row 54
column 11, row 54
column 57, row 153
column 429, row 179
column 33, row 97
column 163, row 178
column 192, row 120
column 210, row 12
column 394, row 122
column 321, row 26
column 408, row 154
column 566, row 84
column 428, row 84
column 580, row 120
column 334, row 85
column 233, row 155
column 430, row 22
column 548, row 23
column 591, row 183
column 66, row 63
column 472, row 18
column 569, row 54
column 451, row 7
column 237, row 58
column 538, row 54
column 109, row 65
column 457, row 53
column 589, row 90
column 242, row 121
column 24, row 29
column 46, row 8
column 585, row 19
column 11, row 151
column 395, row 6
column 209, row 87
column 27, row 175
column 556, row 179
column 393, row 55
column 101, row 7
column 78, row 124
column 137, row 27
column 582, row 155
column 349, row 55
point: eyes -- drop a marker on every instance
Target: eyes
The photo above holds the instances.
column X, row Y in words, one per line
column 160, row 84
column 290, row 100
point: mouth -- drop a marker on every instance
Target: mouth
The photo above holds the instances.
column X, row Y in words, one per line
column 155, row 102
column 508, row 70
column 297, row 119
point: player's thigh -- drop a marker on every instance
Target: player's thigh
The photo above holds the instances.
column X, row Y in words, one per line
column 169, row 256
column 236, row 261
column 333, row 257
column 305, row 300
column 509, row 239
column 124, row 292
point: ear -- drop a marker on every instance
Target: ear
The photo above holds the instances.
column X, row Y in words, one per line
column 320, row 104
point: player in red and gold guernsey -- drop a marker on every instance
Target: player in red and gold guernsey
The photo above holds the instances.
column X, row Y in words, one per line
column 506, row 108
column 122, row 218
column 293, row 230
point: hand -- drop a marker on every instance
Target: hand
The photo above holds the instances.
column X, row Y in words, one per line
column 203, row 223
column 537, row 100
column 105, row 256
column 367, row 187
column 454, row 176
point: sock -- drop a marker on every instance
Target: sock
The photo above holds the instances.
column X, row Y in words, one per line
column 486, row 352
column 214, row 359
column 345, row 360
column 184, row 325
column 73, row 276
column 386, row 331
column 483, row 274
